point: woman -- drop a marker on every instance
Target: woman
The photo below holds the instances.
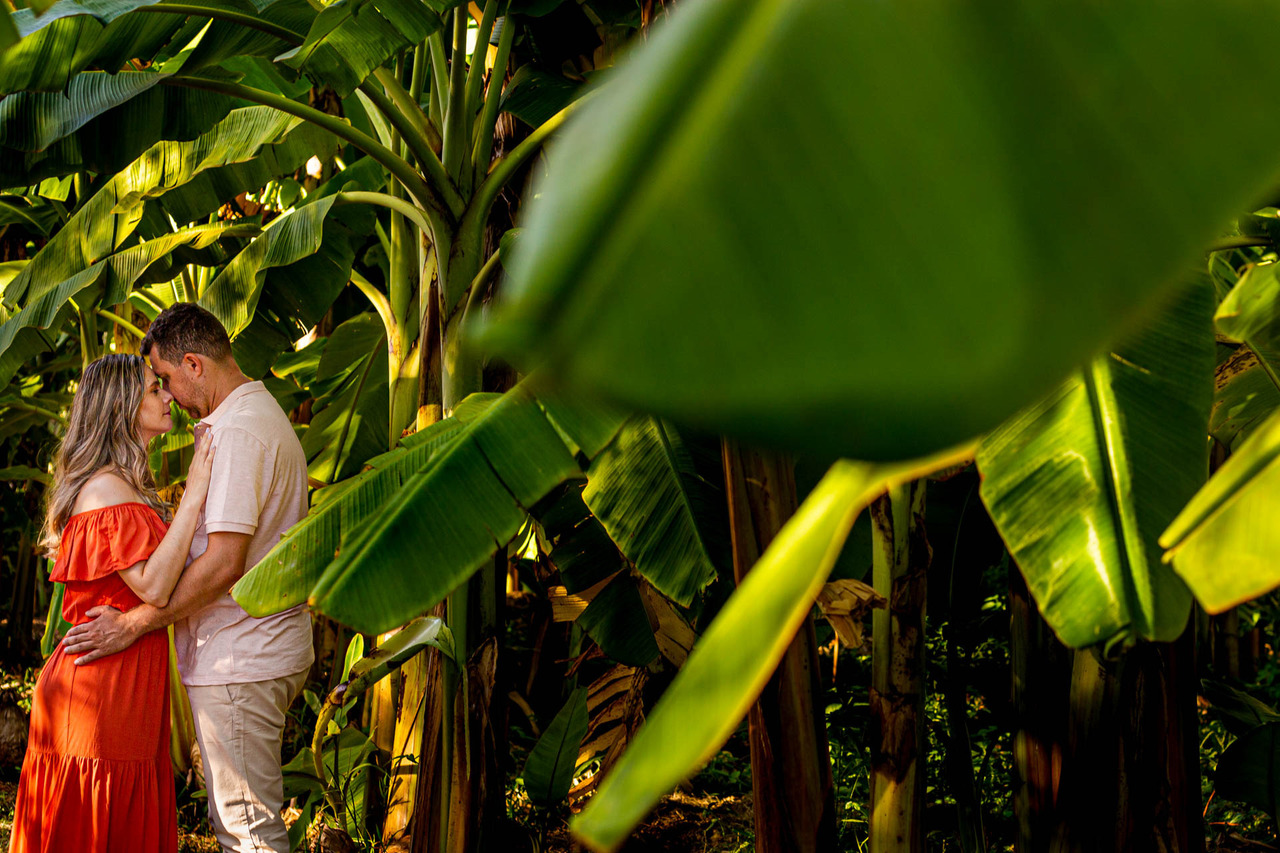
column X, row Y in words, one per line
column 96, row 775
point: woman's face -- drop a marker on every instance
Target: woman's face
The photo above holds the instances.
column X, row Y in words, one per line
column 154, row 417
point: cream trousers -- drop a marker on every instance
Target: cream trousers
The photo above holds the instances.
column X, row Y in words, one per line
column 239, row 727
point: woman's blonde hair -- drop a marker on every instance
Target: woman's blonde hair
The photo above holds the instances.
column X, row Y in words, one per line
column 102, row 432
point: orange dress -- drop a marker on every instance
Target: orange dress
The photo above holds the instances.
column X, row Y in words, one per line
column 97, row 776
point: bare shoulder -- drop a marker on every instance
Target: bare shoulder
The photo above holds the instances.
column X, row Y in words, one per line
column 105, row 488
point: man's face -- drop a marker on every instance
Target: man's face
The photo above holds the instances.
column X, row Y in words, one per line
column 183, row 380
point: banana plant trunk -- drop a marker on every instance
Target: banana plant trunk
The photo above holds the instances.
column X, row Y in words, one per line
column 1040, row 688
column 1131, row 774
column 790, row 760
column 900, row 560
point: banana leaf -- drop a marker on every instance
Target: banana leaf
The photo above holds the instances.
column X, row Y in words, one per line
column 1081, row 484
column 893, row 277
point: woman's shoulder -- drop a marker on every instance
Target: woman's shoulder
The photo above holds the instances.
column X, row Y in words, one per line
column 105, row 488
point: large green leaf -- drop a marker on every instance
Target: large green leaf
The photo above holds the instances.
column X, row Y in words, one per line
column 877, row 228
column 1226, row 542
column 110, row 216
column 650, row 497
column 348, row 40
column 109, row 281
column 100, row 124
column 213, row 187
column 448, row 519
column 733, row 660
column 232, row 297
column 548, row 771
column 72, row 35
column 349, row 423
column 1081, row 484
column 286, row 575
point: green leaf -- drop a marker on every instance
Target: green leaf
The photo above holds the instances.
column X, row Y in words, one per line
column 100, row 124
column 1239, row 712
column 1246, row 394
column 735, row 657
column 1249, row 769
column 355, row 651
column 286, row 575
column 232, row 297
column 8, row 31
column 646, row 492
column 349, row 39
column 214, row 187
column 108, row 281
column 533, row 96
column 1251, row 311
column 107, row 219
column 33, row 215
column 397, row 650
column 617, row 620
column 353, row 410
column 1234, row 520
column 71, row 36
column 548, row 771
column 448, row 519
column 1081, row 484
column 54, row 626
column 873, row 229
column 24, row 473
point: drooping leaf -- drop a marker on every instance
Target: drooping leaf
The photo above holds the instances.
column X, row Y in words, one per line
column 448, row 519
column 616, row 619
column 1249, row 769
column 533, row 95
column 1081, row 484
column 100, row 124
column 348, row 40
column 548, row 771
column 107, row 219
column 1234, row 520
column 31, row 214
column 650, row 497
column 72, row 35
column 109, row 280
column 287, row 574
column 820, row 304
column 733, row 660
column 214, row 187
column 1240, row 713
column 349, row 419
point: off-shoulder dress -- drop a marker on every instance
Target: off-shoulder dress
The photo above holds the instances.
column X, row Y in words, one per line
column 97, row 776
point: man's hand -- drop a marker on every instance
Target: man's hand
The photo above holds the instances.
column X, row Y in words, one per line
column 109, row 631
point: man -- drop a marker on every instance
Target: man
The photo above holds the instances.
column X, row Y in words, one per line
column 241, row 673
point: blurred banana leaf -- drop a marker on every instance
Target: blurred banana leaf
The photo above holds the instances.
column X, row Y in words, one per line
column 735, row 656
column 893, row 278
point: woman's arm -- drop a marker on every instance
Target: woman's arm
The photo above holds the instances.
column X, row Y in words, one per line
column 154, row 578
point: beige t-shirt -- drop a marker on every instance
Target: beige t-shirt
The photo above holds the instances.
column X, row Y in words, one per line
column 258, row 486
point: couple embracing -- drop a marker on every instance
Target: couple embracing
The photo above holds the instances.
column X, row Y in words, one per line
column 97, row 774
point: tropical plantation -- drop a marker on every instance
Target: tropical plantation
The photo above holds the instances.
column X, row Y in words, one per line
column 720, row 425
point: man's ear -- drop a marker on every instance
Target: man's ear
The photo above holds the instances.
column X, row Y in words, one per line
column 193, row 365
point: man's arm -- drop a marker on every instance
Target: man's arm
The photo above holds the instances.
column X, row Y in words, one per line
column 207, row 579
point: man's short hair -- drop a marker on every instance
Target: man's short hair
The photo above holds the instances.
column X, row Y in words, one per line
column 186, row 327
